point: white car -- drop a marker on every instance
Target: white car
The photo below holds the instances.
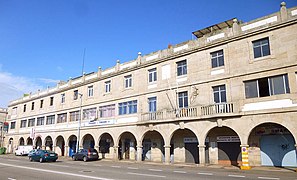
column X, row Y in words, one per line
column 23, row 150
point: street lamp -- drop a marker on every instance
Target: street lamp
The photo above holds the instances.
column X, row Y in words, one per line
column 79, row 123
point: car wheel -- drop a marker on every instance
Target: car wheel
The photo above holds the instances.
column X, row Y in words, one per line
column 30, row 159
column 74, row 158
column 85, row 159
column 54, row 160
column 40, row 160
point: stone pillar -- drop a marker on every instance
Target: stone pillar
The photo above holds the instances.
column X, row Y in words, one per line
column 295, row 152
column 245, row 157
column 201, row 149
column 43, row 147
column 235, row 27
column 66, row 151
column 116, row 153
column 139, row 153
column 118, row 65
column 283, row 11
column 54, row 149
column 167, row 154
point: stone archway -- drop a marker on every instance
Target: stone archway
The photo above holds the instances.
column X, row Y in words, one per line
column 29, row 141
column 184, row 147
column 72, row 140
column 127, row 146
column 60, row 146
column 10, row 146
column 48, row 143
column 88, row 141
column 153, row 147
column 106, row 144
column 38, row 142
column 223, row 147
column 21, row 141
column 272, row 144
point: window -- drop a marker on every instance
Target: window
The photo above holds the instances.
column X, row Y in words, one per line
column 50, row 119
column 152, row 75
column 14, row 111
column 31, row 122
column 41, row 103
column 128, row 81
column 23, row 123
column 90, row 91
column 51, row 101
column 107, row 86
column 63, row 98
column 75, row 94
column 183, row 99
column 62, row 118
column 12, row 125
column 261, row 47
column 107, row 111
column 40, row 121
column 32, row 106
column 219, row 94
column 217, row 59
column 181, row 68
column 129, row 107
column 267, row 86
column 89, row 114
column 152, row 104
column 25, row 107
column 74, row 116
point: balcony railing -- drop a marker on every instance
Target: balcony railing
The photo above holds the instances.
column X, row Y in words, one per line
column 191, row 112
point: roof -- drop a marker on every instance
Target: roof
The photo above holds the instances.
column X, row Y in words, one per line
column 222, row 25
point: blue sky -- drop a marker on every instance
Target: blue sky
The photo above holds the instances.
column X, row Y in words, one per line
column 42, row 41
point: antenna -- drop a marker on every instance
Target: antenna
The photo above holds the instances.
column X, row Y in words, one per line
column 83, row 63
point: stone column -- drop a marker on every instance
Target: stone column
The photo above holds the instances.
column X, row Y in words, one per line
column 116, row 153
column 245, row 157
column 283, row 11
column 201, row 149
column 139, row 153
column 167, row 154
column 66, row 151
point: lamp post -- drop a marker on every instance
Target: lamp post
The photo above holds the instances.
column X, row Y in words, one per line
column 79, row 122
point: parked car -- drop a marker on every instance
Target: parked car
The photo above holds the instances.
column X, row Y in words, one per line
column 43, row 155
column 23, row 150
column 32, row 152
column 85, row 155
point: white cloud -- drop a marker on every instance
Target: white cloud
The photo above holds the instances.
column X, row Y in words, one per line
column 48, row 81
column 13, row 87
column 60, row 69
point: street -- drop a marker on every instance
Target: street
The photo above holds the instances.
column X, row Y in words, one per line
column 20, row 168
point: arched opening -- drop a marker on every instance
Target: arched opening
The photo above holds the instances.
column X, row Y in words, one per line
column 49, row 143
column 72, row 140
column 10, row 146
column 153, row 147
column 106, row 144
column 88, row 141
column 60, row 146
column 184, row 147
column 21, row 141
column 38, row 142
column 223, row 147
column 29, row 141
column 272, row 145
column 127, row 146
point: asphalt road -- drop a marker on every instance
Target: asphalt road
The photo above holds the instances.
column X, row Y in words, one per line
column 19, row 168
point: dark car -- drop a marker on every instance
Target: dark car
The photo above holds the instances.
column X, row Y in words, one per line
column 43, row 155
column 85, row 155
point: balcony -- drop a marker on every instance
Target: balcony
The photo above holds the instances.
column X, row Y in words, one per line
column 198, row 112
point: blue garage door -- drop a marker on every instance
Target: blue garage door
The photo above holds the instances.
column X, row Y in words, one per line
column 278, row 150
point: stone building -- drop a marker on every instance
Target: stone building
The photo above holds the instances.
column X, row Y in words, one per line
column 227, row 97
column 3, row 115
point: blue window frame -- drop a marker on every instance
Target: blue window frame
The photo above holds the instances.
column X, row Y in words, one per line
column 152, row 104
column 129, row 107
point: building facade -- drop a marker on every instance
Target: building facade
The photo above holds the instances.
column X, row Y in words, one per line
column 227, row 97
column 3, row 115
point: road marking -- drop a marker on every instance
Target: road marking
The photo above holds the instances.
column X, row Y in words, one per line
column 116, row 166
column 239, row 176
column 151, row 175
column 13, row 160
column 11, row 179
column 99, row 165
column 183, row 172
column 58, row 165
column 268, row 178
column 208, row 174
column 56, row 172
column 132, row 168
column 158, row 170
